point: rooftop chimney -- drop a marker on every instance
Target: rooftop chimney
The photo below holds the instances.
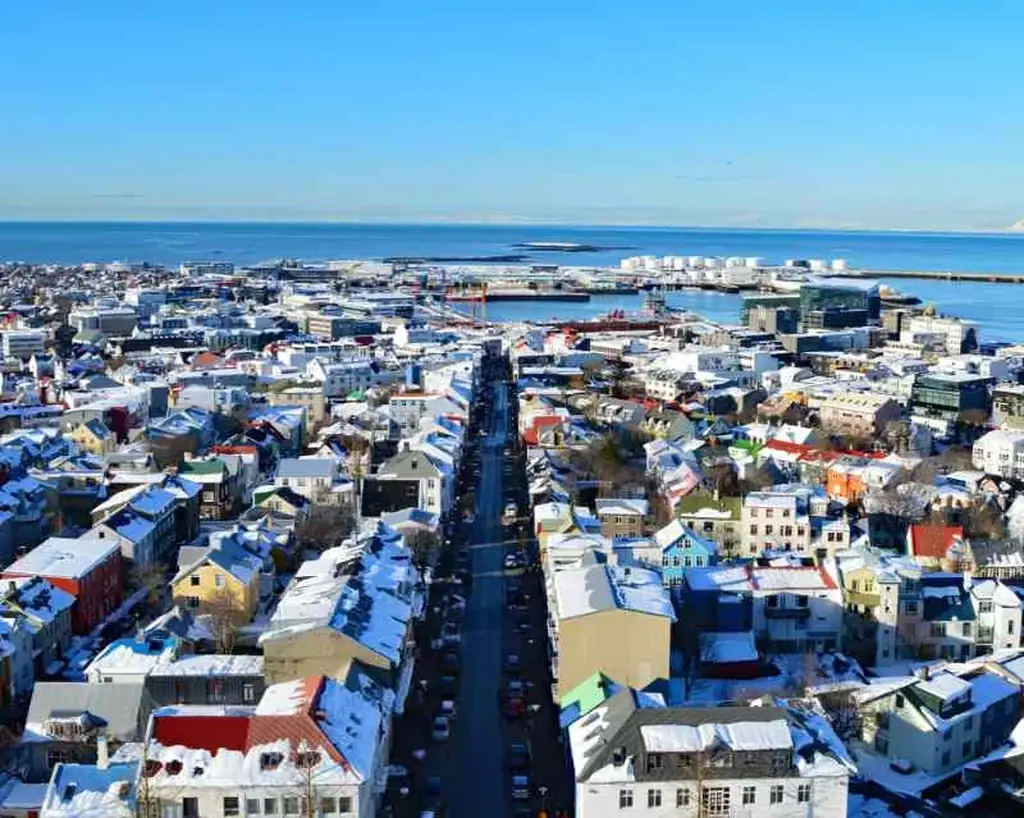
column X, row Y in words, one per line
column 102, row 753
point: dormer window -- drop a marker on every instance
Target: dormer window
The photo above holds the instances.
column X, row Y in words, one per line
column 655, row 761
column 619, row 756
column 307, row 759
column 270, row 761
column 173, row 767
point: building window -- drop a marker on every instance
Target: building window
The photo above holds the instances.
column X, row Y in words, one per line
column 966, row 749
column 55, row 757
column 625, row 799
column 985, row 606
column 775, row 794
column 801, row 601
column 252, row 806
column 966, row 628
column 682, row 797
column 768, row 530
column 969, row 723
column 938, row 628
column 328, row 806
column 945, row 758
column 655, row 761
column 803, row 793
column 753, row 530
column 248, row 693
column 771, row 601
column 344, row 804
column 749, row 795
column 1009, row 627
column 194, row 580
column 270, row 806
column 716, row 801
column 230, row 805
column 218, row 580
column 291, row 805
column 653, row 799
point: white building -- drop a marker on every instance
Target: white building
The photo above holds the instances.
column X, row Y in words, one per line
column 631, row 754
column 775, row 521
column 1001, row 452
column 316, row 735
column 953, row 334
column 24, row 343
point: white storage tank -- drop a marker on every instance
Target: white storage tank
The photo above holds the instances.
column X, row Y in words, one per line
column 678, row 263
column 695, row 262
column 839, row 265
column 712, row 263
column 817, row 264
column 753, row 261
column 733, row 261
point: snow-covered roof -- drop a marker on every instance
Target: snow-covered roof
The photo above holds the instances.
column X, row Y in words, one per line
column 64, row 557
column 726, row 648
column 210, row 664
column 601, row 587
column 366, row 597
column 86, row 791
column 737, row 736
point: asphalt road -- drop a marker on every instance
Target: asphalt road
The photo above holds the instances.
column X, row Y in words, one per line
column 477, row 783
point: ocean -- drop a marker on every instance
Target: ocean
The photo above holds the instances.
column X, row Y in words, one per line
column 998, row 308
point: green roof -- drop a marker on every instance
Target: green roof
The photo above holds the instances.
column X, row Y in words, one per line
column 589, row 693
column 214, row 466
column 693, row 503
column 358, row 394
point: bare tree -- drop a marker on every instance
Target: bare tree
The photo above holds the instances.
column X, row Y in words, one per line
column 171, row 451
column 325, row 527
column 422, row 544
column 223, row 614
column 152, row 577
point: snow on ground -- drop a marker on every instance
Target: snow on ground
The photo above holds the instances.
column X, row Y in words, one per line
column 875, row 767
column 861, row 807
column 85, row 648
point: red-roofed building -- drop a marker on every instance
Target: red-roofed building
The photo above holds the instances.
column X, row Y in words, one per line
column 940, row 547
column 210, row 760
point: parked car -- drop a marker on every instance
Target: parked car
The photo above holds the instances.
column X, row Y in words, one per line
column 520, row 787
column 448, row 709
column 441, row 729
column 514, row 708
column 430, row 804
column 513, row 664
column 450, row 664
column 450, row 634
column 518, row 755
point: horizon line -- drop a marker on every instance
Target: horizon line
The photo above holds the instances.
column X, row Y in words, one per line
column 1004, row 231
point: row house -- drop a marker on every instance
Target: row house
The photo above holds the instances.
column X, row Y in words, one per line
column 88, row 568
column 629, row 754
column 260, row 760
column 789, row 608
column 775, row 521
column 937, row 720
column 46, row 610
column 345, row 607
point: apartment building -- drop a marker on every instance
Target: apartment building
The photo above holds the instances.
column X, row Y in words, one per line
column 1000, row 452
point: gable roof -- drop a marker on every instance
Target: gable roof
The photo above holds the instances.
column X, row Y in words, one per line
column 123, row 707
column 933, row 541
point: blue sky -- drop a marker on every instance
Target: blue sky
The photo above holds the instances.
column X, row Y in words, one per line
column 872, row 114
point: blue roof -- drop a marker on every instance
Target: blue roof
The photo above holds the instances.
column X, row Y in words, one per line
column 152, row 501
column 131, row 526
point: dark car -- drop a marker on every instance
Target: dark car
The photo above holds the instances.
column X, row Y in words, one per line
column 450, row 663
column 514, row 708
column 513, row 664
column 431, row 801
column 518, row 755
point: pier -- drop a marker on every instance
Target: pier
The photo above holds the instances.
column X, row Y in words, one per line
column 936, row 275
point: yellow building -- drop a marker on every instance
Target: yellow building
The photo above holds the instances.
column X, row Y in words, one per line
column 611, row 620
column 93, row 437
column 223, row 582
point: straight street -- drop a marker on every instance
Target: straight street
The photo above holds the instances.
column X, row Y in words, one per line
column 477, row 779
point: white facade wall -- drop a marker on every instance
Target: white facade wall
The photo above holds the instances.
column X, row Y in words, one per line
column 211, row 802
column 1000, row 452
column 826, row 796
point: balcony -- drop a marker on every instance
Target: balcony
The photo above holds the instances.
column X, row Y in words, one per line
column 787, row 613
column 861, row 598
column 985, row 635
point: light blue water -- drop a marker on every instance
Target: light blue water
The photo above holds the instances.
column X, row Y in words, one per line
column 999, row 308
